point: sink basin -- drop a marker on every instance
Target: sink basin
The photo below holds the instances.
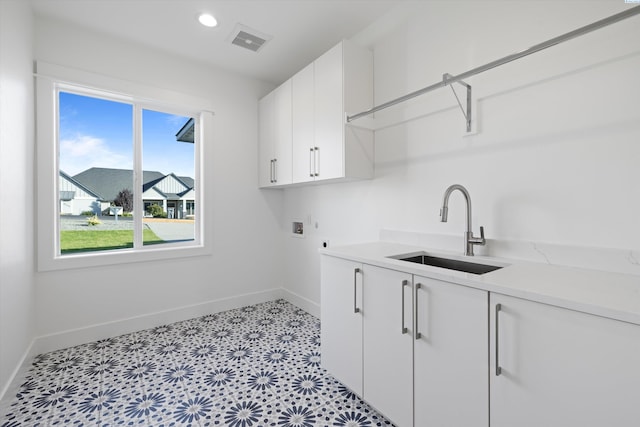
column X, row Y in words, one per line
column 449, row 263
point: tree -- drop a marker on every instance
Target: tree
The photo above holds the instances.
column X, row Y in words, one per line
column 124, row 199
column 156, row 211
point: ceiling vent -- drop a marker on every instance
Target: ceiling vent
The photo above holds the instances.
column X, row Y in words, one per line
column 248, row 38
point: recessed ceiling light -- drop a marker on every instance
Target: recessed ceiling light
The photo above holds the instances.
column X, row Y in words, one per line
column 207, row 20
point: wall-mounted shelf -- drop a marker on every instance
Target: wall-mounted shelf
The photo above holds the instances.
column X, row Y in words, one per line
column 448, row 79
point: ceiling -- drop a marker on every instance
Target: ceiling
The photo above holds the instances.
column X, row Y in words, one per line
column 301, row 29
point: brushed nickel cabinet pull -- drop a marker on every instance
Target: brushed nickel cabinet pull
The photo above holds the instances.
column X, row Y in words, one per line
column 356, row 309
column 415, row 298
column 404, row 283
column 275, row 170
column 498, row 368
column 316, row 160
column 271, row 171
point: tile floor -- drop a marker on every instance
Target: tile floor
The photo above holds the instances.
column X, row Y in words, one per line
column 254, row 366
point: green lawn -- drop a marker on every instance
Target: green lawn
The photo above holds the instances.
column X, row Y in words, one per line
column 102, row 240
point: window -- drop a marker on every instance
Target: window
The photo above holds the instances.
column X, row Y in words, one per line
column 97, row 192
column 127, row 184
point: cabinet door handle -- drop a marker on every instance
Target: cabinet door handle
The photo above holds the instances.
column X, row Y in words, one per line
column 275, row 170
column 415, row 298
column 316, row 161
column 497, row 331
column 271, row 171
column 404, row 283
column 355, row 290
column 311, row 161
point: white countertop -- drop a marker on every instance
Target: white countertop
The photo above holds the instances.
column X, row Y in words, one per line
column 612, row 295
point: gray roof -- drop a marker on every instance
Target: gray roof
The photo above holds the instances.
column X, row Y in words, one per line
column 187, row 180
column 185, row 134
column 108, row 182
column 64, row 195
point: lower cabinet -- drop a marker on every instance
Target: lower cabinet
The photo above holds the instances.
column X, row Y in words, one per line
column 450, row 355
column 425, row 350
column 429, row 353
column 555, row 367
column 341, row 317
column 388, row 343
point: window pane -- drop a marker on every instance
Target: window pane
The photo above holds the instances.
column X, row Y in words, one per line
column 95, row 172
column 168, row 164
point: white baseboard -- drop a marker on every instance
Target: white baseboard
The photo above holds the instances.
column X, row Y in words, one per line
column 71, row 338
column 306, row 304
column 17, row 378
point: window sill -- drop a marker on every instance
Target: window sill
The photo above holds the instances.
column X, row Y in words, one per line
column 123, row 256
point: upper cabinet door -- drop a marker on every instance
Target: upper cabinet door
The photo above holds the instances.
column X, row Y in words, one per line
column 561, row 368
column 303, row 125
column 283, row 133
column 329, row 114
column 266, row 135
column 275, row 137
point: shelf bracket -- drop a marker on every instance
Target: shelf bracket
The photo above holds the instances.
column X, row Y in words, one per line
column 467, row 113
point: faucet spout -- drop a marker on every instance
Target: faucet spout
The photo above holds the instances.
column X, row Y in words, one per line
column 469, row 238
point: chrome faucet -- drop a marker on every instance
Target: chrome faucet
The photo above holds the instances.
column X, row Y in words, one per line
column 469, row 238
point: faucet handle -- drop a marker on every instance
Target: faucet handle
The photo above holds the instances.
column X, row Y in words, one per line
column 477, row 240
column 481, row 240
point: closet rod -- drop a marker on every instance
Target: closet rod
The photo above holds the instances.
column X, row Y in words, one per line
column 448, row 79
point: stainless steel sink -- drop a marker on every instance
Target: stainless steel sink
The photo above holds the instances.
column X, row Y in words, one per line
column 449, row 263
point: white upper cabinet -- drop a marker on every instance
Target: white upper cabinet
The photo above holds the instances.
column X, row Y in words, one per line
column 338, row 83
column 275, row 138
column 266, row 125
column 329, row 126
column 303, row 125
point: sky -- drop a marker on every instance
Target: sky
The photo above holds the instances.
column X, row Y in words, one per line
column 96, row 132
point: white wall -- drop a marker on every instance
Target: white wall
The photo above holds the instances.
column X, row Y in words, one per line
column 246, row 256
column 556, row 158
column 16, row 187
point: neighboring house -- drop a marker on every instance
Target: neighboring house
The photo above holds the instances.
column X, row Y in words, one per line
column 175, row 194
column 76, row 198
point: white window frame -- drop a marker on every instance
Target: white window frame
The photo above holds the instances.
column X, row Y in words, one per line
column 50, row 80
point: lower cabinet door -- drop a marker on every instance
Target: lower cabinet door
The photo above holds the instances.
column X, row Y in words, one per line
column 451, row 355
column 555, row 367
column 388, row 344
column 341, row 317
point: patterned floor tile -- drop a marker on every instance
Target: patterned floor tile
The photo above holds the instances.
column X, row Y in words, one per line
column 250, row 367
